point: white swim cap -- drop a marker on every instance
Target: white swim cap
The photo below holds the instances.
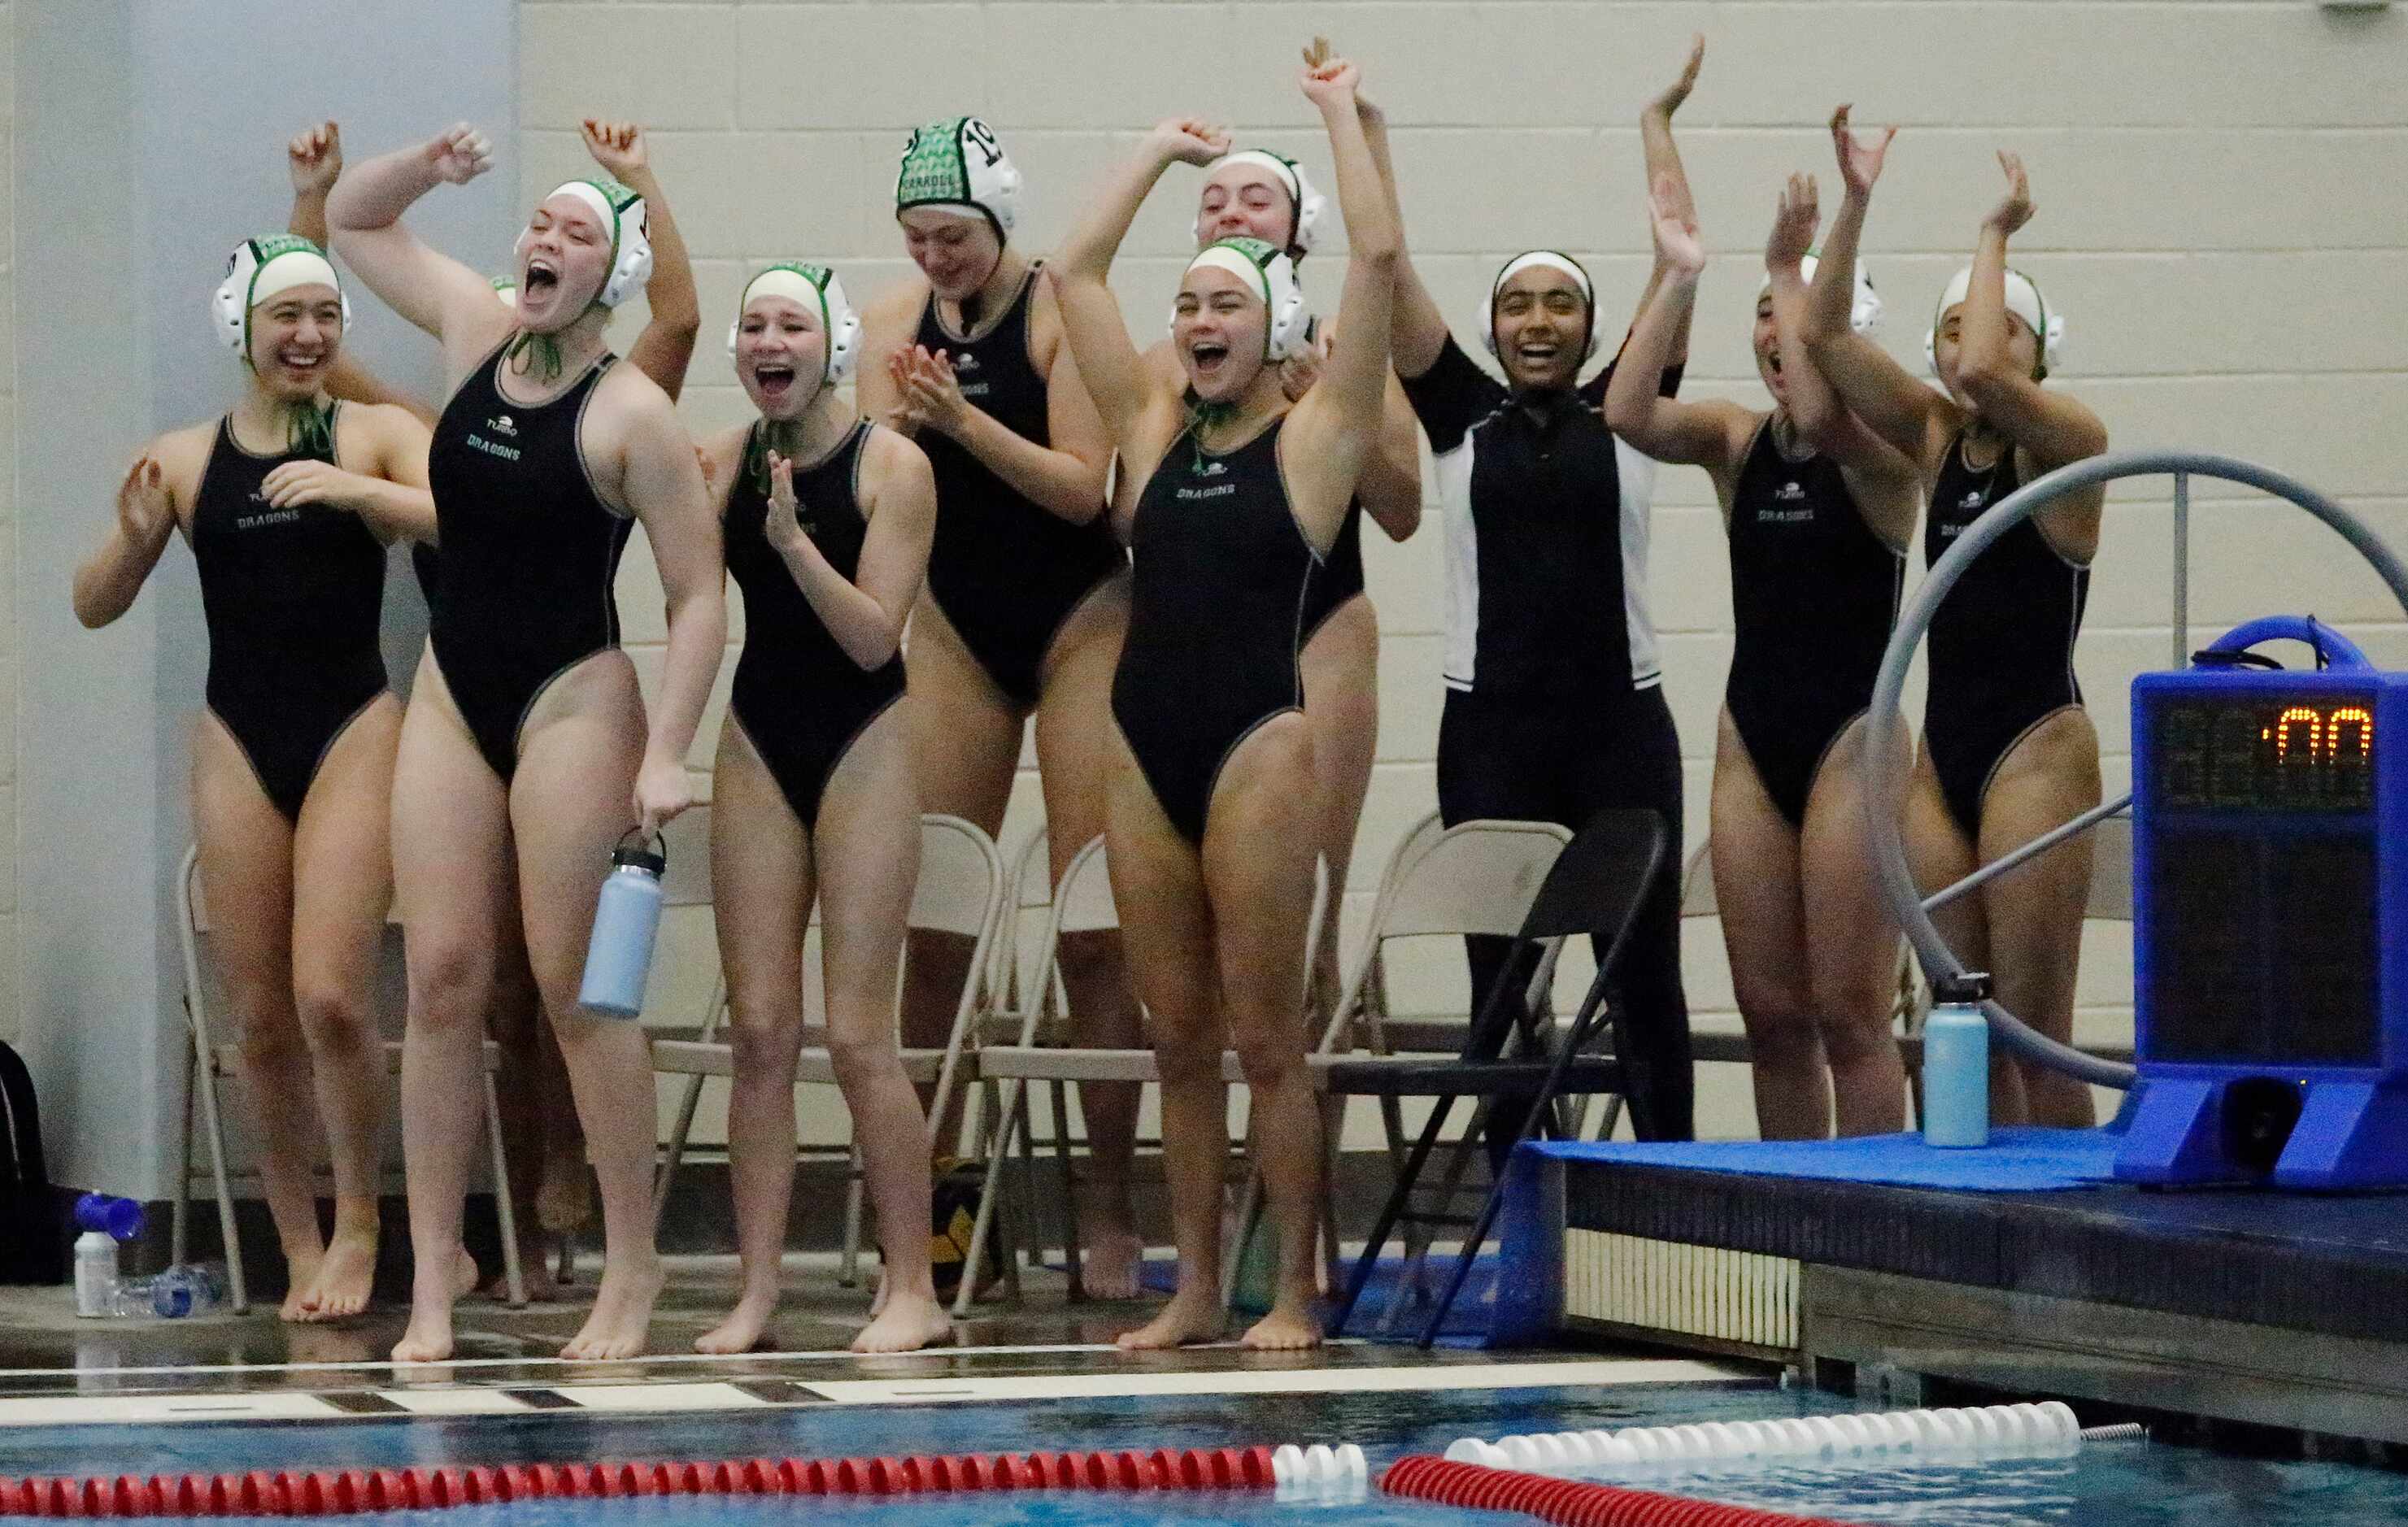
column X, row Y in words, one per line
column 258, row 269
column 1864, row 307
column 2022, row 300
column 1267, row 271
column 959, row 163
column 624, row 213
column 1553, row 260
column 1307, row 205
column 814, row 287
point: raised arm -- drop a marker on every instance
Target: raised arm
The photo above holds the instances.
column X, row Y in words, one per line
column 1091, row 326
column 314, row 160
column 2052, row 427
column 108, row 582
column 1391, row 484
column 660, row 481
column 1663, row 165
column 665, row 347
column 430, row 289
column 1417, row 330
column 1711, row 434
column 1339, row 419
column 864, row 613
column 1912, row 416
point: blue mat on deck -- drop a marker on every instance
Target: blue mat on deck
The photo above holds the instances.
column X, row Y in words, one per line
column 2018, row 1160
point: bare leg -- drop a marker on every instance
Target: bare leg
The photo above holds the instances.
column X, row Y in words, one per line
column 1852, row 946
column 531, row 1111
column 247, row 879
column 1939, row 855
column 451, row 846
column 2034, row 910
column 568, row 804
column 966, row 737
column 1168, row 938
column 1341, row 701
column 343, row 886
column 867, row 849
column 1074, row 743
column 1755, row 863
column 761, row 874
column 1259, row 845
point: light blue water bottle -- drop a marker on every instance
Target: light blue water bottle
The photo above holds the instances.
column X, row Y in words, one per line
column 625, row 920
column 1957, row 1063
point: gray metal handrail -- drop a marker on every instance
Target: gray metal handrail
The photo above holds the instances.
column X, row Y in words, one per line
column 1884, row 789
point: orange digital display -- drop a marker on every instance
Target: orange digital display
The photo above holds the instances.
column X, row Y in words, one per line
column 2242, row 754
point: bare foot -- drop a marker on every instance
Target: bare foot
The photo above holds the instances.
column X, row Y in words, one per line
column 464, row 1273
column 1113, row 1266
column 746, row 1327
column 429, row 1336
column 301, row 1280
column 345, row 1276
column 623, row 1312
column 1192, row 1316
column 1287, row 1329
column 909, row 1322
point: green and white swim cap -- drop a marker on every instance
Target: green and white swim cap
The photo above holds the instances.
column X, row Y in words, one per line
column 622, row 211
column 814, row 287
column 959, row 163
column 258, row 269
column 1266, row 268
column 1307, row 205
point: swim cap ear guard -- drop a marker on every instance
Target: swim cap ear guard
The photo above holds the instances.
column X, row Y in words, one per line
column 257, row 270
column 1863, row 305
column 631, row 246
column 2022, row 300
column 1520, row 263
column 1267, row 268
column 959, row 163
column 1308, row 207
column 809, row 285
column 507, row 288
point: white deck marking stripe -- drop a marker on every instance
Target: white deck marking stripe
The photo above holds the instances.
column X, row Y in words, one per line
column 153, row 1410
column 133, row 1410
column 456, row 1402
column 1467, row 1375
column 661, row 1397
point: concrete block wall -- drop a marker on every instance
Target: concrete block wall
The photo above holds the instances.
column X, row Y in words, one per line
column 11, row 986
column 2219, row 217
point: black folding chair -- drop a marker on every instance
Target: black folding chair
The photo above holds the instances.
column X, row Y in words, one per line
column 1597, row 886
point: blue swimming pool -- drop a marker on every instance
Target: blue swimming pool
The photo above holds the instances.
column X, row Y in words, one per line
column 2108, row 1486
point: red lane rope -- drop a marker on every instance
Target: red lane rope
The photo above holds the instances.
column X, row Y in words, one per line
column 1567, row 1503
column 349, row 1491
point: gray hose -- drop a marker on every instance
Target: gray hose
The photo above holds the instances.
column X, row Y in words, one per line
column 1885, row 790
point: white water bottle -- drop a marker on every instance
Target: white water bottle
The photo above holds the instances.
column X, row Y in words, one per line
column 626, row 917
column 95, row 1274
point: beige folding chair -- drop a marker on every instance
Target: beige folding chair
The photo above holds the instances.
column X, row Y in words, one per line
column 960, row 890
column 1477, row 878
column 206, row 1061
column 1083, row 903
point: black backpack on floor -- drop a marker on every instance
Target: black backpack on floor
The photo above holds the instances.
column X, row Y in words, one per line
column 30, row 1249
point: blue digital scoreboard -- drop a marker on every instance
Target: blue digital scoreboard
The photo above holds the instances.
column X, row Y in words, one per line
column 2270, row 812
